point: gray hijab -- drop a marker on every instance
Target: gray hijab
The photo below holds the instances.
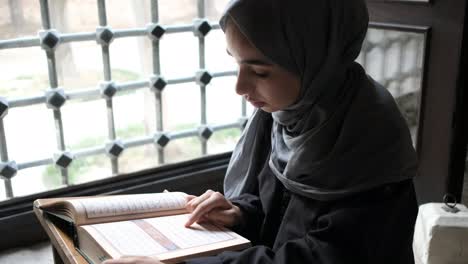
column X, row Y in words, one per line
column 345, row 133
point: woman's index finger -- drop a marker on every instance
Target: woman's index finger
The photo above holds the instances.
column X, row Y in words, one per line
column 204, row 207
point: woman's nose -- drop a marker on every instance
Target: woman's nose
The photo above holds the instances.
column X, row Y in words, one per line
column 243, row 86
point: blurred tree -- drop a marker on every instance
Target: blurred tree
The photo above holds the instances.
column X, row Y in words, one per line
column 65, row 62
column 16, row 13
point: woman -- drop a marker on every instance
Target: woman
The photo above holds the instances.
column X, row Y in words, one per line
column 323, row 171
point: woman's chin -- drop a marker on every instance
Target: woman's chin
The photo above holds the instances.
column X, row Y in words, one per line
column 268, row 109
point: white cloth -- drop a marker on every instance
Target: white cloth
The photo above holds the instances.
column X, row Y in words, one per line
column 441, row 237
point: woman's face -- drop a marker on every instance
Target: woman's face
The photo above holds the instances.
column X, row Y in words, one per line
column 261, row 82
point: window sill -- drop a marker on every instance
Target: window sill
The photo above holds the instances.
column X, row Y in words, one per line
column 19, row 226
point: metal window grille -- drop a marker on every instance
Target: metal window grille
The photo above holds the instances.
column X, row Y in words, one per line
column 404, row 81
column 48, row 39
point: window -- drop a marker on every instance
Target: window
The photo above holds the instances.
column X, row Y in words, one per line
column 394, row 58
column 117, row 92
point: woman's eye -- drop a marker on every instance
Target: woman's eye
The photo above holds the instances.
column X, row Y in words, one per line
column 261, row 74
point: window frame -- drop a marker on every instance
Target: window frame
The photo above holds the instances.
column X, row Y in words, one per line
column 443, row 132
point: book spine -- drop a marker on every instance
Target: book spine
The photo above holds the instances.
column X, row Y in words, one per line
column 63, row 224
column 90, row 261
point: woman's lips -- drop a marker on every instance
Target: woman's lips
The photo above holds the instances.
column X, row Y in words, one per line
column 257, row 104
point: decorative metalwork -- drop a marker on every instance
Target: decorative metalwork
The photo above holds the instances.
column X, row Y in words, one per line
column 104, row 35
column 63, row 159
column 3, row 107
column 203, row 77
column 8, row 169
column 55, row 98
column 205, row 132
column 115, row 148
column 162, row 139
column 157, row 83
column 201, row 27
column 156, row 31
column 108, row 89
column 49, row 39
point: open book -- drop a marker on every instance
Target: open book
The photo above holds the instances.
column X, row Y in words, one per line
column 104, row 227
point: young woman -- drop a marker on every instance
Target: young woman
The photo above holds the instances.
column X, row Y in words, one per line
column 323, row 171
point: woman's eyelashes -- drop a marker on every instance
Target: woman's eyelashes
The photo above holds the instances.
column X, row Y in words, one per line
column 261, row 74
column 253, row 70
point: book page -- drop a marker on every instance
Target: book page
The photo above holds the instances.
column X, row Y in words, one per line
column 153, row 236
column 106, row 206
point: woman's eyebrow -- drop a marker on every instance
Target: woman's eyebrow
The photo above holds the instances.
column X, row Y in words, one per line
column 256, row 62
column 253, row 61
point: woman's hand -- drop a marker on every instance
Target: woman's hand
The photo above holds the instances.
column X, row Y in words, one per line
column 133, row 260
column 212, row 207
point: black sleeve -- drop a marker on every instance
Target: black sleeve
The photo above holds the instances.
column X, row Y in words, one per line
column 373, row 229
column 324, row 244
column 252, row 216
column 252, row 213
